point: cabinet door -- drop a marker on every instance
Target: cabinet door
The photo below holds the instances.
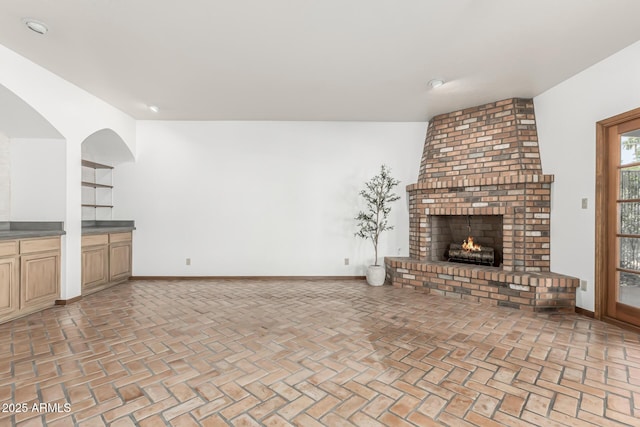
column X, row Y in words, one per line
column 95, row 266
column 39, row 279
column 119, row 261
column 9, row 294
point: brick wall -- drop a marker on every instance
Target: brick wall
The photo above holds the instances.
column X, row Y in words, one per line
column 540, row 292
column 484, row 162
column 491, row 140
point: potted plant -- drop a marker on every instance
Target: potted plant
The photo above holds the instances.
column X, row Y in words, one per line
column 378, row 195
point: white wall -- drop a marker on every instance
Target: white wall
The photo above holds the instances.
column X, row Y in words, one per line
column 260, row 198
column 566, row 117
column 38, row 185
column 5, row 179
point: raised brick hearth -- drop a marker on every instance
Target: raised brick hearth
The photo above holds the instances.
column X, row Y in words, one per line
column 481, row 167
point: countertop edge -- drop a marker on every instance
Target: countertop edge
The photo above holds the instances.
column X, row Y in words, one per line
column 29, row 234
column 87, row 231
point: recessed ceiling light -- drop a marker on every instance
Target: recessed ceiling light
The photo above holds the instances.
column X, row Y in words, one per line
column 436, row 83
column 35, row 25
column 154, row 108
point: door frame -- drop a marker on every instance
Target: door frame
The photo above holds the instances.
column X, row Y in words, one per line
column 602, row 215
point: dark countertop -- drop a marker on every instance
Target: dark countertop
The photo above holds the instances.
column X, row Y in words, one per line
column 29, row 229
column 103, row 227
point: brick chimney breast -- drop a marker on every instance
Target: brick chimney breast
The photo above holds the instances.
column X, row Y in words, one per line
column 496, row 139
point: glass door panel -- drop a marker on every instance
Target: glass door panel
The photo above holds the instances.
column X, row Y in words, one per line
column 630, row 147
column 629, row 258
column 624, row 289
column 630, row 183
column 629, row 289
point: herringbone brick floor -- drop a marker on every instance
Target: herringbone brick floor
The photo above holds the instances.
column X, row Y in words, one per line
column 311, row 353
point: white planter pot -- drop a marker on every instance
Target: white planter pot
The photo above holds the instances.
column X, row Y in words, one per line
column 375, row 275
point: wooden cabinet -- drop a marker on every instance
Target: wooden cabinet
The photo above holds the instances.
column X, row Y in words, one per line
column 39, row 273
column 106, row 260
column 120, row 248
column 29, row 275
column 39, row 279
column 95, row 261
column 9, row 279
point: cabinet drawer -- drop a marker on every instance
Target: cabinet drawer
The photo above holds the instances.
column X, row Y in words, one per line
column 95, row 240
column 120, row 237
column 8, row 247
column 39, row 245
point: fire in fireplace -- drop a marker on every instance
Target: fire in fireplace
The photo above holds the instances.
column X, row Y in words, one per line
column 468, row 244
column 471, row 253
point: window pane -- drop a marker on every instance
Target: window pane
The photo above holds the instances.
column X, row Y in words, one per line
column 630, row 183
column 630, row 218
column 630, row 147
column 629, row 289
column 630, row 253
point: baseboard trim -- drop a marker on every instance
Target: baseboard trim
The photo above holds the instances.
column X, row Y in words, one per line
column 68, row 301
column 582, row 311
column 622, row 325
column 247, row 278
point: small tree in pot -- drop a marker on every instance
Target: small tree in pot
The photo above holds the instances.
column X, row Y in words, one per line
column 378, row 195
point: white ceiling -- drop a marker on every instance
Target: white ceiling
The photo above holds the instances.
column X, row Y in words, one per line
column 316, row 59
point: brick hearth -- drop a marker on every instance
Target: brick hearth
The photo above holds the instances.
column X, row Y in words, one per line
column 484, row 161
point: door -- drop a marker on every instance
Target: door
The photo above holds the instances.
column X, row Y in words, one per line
column 9, row 296
column 95, row 266
column 119, row 261
column 39, row 279
column 623, row 222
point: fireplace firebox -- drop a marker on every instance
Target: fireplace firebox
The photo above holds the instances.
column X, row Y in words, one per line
column 450, row 233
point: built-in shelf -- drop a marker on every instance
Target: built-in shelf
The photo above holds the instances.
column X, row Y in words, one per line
column 94, row 165
column 98, row 202
column 95, row 185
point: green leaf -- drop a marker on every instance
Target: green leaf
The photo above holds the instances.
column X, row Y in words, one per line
column 377, row 194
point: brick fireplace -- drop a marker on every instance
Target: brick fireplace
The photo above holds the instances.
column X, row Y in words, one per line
column 481, row 176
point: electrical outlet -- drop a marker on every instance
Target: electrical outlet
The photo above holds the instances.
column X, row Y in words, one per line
column 188, row 262
column 346, row 261
column 583, row 285
column 585, row 203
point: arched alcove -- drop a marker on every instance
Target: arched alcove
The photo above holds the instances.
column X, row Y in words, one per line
column 19, row 120
column 32, row 163
column 106, row 146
